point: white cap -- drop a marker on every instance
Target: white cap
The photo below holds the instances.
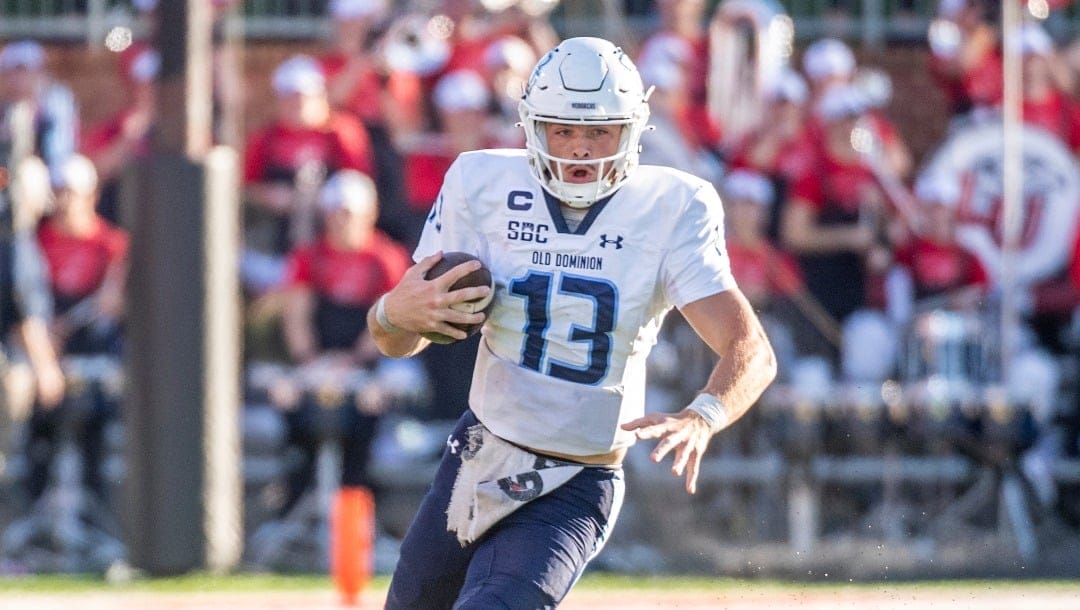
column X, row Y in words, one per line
column 842, row 102
column 348, row 189
column 78, row 174
column 357, row 9
column 950, row 9
column 875, row 84
column 1035, row 40
column 662, row 62
column 789, row 86
column 144, row 6
column 461, row 90
column 510, row 52
column 828, row 57
column 748, row 185
column 145, row 67
column 299, row 74
column 938, row 188
column 22, row 54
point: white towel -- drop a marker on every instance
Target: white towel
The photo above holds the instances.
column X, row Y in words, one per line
column 495, row 479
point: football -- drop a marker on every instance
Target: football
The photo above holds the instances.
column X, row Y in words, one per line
column 480, row 277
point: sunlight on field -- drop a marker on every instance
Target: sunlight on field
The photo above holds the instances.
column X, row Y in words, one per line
column 595, row 592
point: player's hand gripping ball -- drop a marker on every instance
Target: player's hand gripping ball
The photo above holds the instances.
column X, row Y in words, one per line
column 480, row 277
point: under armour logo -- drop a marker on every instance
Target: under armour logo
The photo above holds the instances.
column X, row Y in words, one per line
column 604, row 241
column 453, row 444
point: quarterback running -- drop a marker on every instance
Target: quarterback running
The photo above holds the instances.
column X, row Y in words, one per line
column 588, row 252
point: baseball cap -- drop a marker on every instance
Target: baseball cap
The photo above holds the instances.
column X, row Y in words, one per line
column 22, row 54
column 1035, row 40
column 828, row 57
column 356, row 9
column 842, row 102
column 662, row 61
column 510, row 52
column 788, row 86
column 77, row 173
column 749, row 185
column 143, row 66
column 348, row 189
column 937, row 188
column 950, row 9
column 461, row 90
column 299, row 74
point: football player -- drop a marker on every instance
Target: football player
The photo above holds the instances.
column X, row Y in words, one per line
column 588, row 251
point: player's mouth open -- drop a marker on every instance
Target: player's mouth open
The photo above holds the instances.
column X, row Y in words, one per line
column 579, row 173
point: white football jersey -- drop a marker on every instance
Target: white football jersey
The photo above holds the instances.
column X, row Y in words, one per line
column 562, row 360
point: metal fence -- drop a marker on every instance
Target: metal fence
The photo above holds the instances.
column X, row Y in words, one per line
column 871, row 22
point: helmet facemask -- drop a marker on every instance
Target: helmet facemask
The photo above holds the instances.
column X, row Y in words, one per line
column 584, row 81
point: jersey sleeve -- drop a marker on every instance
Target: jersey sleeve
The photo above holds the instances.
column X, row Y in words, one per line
column 449, row 226
column 697, row 263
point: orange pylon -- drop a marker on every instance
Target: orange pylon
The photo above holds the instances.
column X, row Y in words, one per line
column 352, row 541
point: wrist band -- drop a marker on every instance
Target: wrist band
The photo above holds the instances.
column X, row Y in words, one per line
column 711, row 410
column 380, row 316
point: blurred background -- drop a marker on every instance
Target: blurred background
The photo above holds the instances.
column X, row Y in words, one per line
column 202, row 199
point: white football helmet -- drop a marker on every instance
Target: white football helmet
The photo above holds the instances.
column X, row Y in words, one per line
column 584, row 81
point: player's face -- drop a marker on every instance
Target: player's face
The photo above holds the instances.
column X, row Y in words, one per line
column 582, row 143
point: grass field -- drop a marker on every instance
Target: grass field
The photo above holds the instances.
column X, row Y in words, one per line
column 594, row 592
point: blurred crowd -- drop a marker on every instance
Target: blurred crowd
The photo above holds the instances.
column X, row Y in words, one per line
column 838, row 235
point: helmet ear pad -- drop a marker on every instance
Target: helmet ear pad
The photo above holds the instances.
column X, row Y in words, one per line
column 584, row 81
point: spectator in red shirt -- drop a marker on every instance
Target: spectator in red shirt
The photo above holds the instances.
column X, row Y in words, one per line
column 331, row 283
column 359, row 80
column 284, row 163
column 932, row 269
column 829, row 63
column 835, row 217
column 769, row 276
column 1047, row 81
column 780, row 147
column 685, row 20
column 764, row 272
column 116, row 143
column 966, row 55
column 87, row 261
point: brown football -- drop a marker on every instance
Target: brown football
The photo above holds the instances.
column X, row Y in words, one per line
column 480, row 277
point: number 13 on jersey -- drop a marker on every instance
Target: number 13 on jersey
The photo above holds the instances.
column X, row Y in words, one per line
column 538, row 289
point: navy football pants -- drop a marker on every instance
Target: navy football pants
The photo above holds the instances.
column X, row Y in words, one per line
column 529, row 560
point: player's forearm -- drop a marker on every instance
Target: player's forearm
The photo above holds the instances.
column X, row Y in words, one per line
column 34, row 334
column 743, row 373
